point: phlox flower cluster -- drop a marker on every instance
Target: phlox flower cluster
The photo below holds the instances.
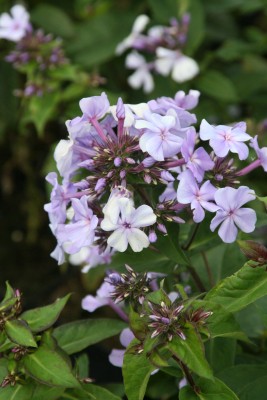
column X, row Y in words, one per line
column 33, row 49
column 163, row 46
column 102, row 203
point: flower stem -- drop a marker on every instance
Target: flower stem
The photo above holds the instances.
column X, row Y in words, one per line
column 208, row 269
column 255, row 164
column 190, row 241
column 118, row 311
column 187, row 374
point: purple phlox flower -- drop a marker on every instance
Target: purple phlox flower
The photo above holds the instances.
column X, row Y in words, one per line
column 163, row 104
column 77, row 149
column 127, row 227
column 14, row 27
column 94, row 107
column 116, row 355
column 223, row 138
column 158, row 140
column 231, row 215
column 200, row 197
column 139, row 25
column 141, row 78
column 132, row 111
column 187, row 101
column 197, row 161
column 58, row 253
column 261, row 153
column 79, row 232
column 60, row 197
column 181, row 67
column 169, row 193
column 91, row 303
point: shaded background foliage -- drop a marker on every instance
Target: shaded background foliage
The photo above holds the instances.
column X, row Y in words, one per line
column 227, row 38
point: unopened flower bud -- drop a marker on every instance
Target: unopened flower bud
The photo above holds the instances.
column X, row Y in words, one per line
column 147, row 178
column 101, row 183
column 162, row 228
column 152, row 237
column 122, row 174
column 117, row 161
column 120, row 109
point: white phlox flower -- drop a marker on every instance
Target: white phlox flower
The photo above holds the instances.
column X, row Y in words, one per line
column 181, row 67
column 126, row 224
column 142, row 76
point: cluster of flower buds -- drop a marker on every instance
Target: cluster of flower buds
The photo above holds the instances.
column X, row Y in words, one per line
column 163, row 45
column 113, row 155
column 163, row 316
column 34, row 51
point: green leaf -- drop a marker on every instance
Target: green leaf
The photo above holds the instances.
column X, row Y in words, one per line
column 53, row 20
column 76, row 336
column 49, row 367
column 221, row 353
column 136, row 371
column 210, row 390
column 246, row 380
column 196, row 31
column 222, row 323
column 17, row 392
column 240, row 289
column 263, row 199
column 9, row 293
column 44, row 392
column 42, row 318
column 93, row 42
column 41, row 109
column 82, row 366
column 140, row 261
column 217, row 85
column 170, row 248
column 191, row 352
column 19, row 332
column 99, row 393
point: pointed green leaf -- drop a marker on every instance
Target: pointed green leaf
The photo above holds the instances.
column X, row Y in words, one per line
column 76, row 336
column 44, row 392
column 191, row 352
column 90, row 391
column 240, row 289
column 18, row 332
column 9, row 292
column 217, row 85
column 42, row 318
column 17, row 392
column 209, row 390
column 136, row 371
column 49, row 367
column 244, row 378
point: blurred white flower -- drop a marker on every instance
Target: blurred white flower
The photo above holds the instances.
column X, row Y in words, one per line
column 14, row 27
column 181, row 67
column 139, row 25
column 142, row 76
